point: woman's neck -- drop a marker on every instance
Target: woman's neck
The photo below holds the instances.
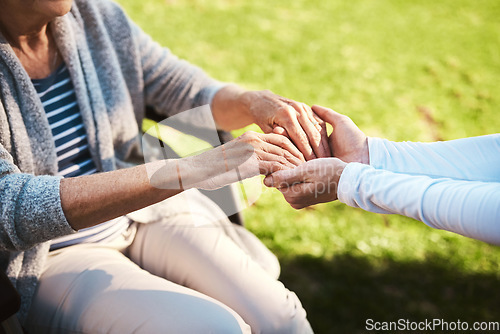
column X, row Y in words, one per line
column 28, row 33
column 22, row 26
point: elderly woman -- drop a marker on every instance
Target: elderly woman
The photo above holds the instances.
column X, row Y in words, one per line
column 75, row 78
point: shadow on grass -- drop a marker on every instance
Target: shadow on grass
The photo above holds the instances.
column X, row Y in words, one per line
column 341, row 293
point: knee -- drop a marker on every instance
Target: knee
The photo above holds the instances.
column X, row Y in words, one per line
column 217, row 319
column 202, row 317
column 225, row 328
column 287, row 318
column 293, row 325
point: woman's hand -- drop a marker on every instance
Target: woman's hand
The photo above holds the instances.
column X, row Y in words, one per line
column 311, row 183
column 249, row 155
column 269, row 153
column 307, row 132
column 347, row 141
column 233, row 108
column 317, row 181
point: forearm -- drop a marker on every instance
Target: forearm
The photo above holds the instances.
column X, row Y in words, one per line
column 230, row 108
column 90, row 200
column 93, row 199
column 469, row 208
column 475, row 158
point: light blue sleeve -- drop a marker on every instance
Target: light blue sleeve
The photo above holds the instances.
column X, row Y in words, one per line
column 469, row 208
column 474, row 159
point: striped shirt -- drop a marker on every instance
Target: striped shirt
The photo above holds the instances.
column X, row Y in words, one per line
column 73, row 155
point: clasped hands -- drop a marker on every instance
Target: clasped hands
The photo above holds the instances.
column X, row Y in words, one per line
column 316, row 181
column 299, row 158
column 295, row 153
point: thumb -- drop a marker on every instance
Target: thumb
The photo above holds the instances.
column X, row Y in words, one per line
column 327, row 114
column 280, row 131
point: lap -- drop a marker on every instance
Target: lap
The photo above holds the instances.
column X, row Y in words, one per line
column 92, row 289
column 200, row 274
column 202, row 250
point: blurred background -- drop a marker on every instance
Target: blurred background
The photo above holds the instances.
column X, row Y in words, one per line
column 416, row 70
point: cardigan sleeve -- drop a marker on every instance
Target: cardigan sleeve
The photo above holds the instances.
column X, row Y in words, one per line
column 30, row 207
column 473, row 159
column 469, row 208
column 171, row 85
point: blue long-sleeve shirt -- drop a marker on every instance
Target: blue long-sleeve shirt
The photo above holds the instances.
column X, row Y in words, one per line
column 452, row 185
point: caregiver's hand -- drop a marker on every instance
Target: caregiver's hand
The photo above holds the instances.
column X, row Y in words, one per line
column 311, row 183
column 248, row 155
column 269, row 110
column 347, row 141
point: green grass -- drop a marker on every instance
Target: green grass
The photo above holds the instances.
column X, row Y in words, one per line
column 406, row 70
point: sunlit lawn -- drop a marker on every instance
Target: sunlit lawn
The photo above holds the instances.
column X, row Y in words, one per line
column 406, row 70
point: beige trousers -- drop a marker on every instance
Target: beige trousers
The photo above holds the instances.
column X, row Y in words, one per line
column 200, row 274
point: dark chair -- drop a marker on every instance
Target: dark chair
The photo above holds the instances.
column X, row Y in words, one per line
column 10, row 302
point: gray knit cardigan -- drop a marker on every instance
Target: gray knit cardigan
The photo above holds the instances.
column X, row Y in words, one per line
column 116, row 70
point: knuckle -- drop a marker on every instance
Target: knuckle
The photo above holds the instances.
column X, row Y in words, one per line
column 250, row 136
column 303, row 138
column 244, row 136
column 248, row 149
column 302, row 111
column 316, row 135
column 284, row 110
column 283, row 140
column 274, row 166
column 287, row 155
column 279, row 165
column 287, row 108
column 345, row 119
